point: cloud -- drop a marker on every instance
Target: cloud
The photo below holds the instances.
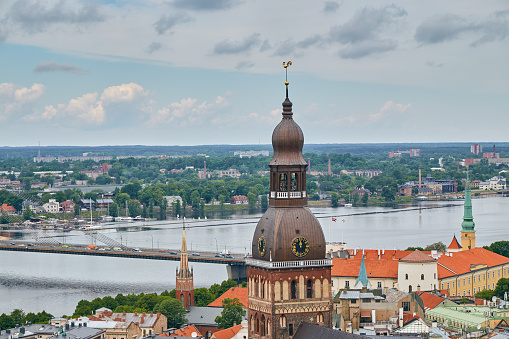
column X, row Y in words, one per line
column 166, row 23
column 272, row 118
column 52, row 66
column 388, row 110
column 245, row 64
column 84, row 109
column 330, row 6
column 448, row 27
column 155, row 46
column 433, row 63
column 189, row 112
column 90, row 109
column 3, row 35
column 35, row 16
column 441, row 28
column 236, row 47
column 361, row 35
column 205, row 5
column 14, row 97
column 125, row 93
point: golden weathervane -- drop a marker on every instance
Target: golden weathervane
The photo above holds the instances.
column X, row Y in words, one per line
column 285, row 65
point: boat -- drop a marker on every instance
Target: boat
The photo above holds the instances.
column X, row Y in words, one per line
column 348, row 205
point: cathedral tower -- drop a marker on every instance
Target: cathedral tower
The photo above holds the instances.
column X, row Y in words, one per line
column 467, row 226
column 288, row 274
column 184, row 290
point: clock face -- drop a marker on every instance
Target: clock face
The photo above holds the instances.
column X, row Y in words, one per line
column 300, row 247
column 261, row 246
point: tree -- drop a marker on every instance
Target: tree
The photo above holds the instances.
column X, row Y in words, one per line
column 59, row 196
column 387, row 194
column 173, row 310
column 132, row 189
column 264, row 201
column 485, row 294
column 365, row 198
column 252, row 199
column 232, row 313
column 176, row 207
column 438, row 246
column 27, row 214
column 76, row 209
column 415, row 190
column 121, row 198
column 202, row 208
column 334, row 198
column 114, row 210
column 502, row 287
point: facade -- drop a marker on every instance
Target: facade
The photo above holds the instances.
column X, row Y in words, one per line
column 232, row 172
column 67, row 206
column 476, row 149
column 288, row 273
column 417, row 271
column 495, row 183
column 184, row 290
column 52, row 206
column 239, row 200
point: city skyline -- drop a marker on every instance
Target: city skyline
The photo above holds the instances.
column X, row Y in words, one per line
column 191, row 72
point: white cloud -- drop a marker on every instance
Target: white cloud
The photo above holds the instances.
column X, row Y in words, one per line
column 272, row 118
column 388, row 110
column 14, row 97
column 123, row 93
column 188, row 112
column 84, row 109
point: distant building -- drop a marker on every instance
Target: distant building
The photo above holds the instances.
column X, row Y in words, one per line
column 414, row 152
column 495, row 183
column 67, row 206
column 476, row 149
column 239, row 200
column 232, row 172
column 10, row 210
column 249, row 154
column 52, row 206
column 363, row 173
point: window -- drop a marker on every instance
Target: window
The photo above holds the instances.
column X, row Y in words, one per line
column 409, row 288
column 474, row 279
column 469, row 280
column 379, row 284
column 406, row 306
column 464, row 281
column 282, row 321
column 488, row 275
column 293, row 290
column 347, row 284
column 422, row 276
column 353, row 301
column 453, row 284
column 282, row 182
column 366, row 300
column 434, row 275
column 406, row 276
column 290, row 329
column 294, row 182
column 447, row 285
column 309, row 289
column 319, row 317
column 442, row 285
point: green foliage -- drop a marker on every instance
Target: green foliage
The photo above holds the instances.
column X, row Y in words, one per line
column 365, row 198
column 499, row 247
column 232, row 313
column 387, row 194
column 485, row 294
column 28, row 213
column 264, row 201
column 438, row 246
column 334, row 199
column 252, row 199
column 502, row 287
column 19, row 317
column 173, row 310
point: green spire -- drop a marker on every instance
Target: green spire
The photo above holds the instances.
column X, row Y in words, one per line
column 468, row 220
column 363, row 276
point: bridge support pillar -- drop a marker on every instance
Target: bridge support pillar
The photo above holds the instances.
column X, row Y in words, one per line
column 237, row 273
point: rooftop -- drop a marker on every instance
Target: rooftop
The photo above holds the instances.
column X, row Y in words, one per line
column 234, row 292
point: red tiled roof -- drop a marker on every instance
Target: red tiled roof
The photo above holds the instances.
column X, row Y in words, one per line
column 187, row 331
column 384, row 254
column 417, row 257
column 234, row 292
column 407, row 317
column 460, row 262
column 386, row 268
column 7, row 208
column 430, row 301
column 454, row 245
column 227, row 333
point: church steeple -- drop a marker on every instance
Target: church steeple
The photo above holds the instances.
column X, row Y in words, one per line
column 468, row 225
column 362, row 280
column 184, row 290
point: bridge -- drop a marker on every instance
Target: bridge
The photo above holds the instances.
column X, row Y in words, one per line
column 236, row 263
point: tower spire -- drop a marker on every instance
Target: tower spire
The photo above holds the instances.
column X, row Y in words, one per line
column 285, row 65
column 468, row 220
column 184, row 290
column 362, row 279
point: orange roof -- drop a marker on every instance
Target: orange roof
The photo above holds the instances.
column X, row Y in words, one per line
column 460, row 262
column 384, row 254
column 234, row 292
column 227, row 333
column 454, row 245
column 187, row 331
column 7, row 208
column 386, row 268
column 430, row 301
column 417, row 257
column 407, row 317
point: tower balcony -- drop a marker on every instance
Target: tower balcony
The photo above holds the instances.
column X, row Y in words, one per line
column 288, row 195
column 288, row 264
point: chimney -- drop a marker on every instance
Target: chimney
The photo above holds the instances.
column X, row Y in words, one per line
column 22, row 330
column 383, row 251
column 418, row 291
column 123, row 313
column 329, row 168
column 144, row 314
column 142, row 320
column 135, row 314
column 309, row 165
column 205, row 169
column 378, row 253
column 419, row 178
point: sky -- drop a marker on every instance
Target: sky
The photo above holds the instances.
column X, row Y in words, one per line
column 195, row 72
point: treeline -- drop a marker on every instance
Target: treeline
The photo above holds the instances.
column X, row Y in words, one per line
column 18, row 317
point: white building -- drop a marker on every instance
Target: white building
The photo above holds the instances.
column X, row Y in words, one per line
column 495, row 183
column 52, row 206
column 417, row 271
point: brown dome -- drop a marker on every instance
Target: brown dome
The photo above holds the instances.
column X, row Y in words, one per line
column 287, row 140
column 280, row 227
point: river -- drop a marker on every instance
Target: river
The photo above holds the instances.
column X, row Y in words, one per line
column 55, row 283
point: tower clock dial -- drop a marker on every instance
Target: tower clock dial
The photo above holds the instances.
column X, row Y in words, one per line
column 261, row 246
column 300, row 247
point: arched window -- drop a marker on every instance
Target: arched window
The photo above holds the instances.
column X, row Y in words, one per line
column 319, row 317
column 422, row 276
column 282, row 321
column 409, row 288
column 294, row 182
column 406, row 276
column 182, row 300
column 263, row 290
column 290, row 329
column 309, row 289
column 282, row 182
column 189, row 300
column 293, row 290
column 257, row 324
column 262, row 326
